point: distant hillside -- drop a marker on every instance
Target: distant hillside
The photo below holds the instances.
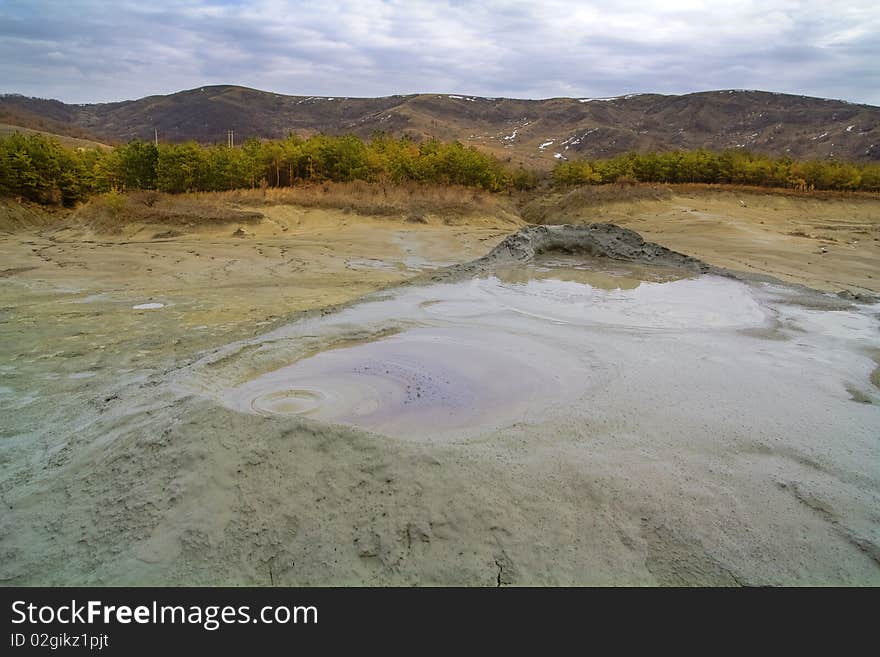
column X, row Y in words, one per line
column 70, row 142
column 48, row 116
column 536, row 133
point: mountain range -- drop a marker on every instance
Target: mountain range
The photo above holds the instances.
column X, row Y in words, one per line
column 534, row 133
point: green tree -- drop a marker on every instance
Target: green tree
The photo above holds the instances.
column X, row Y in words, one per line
column 138, row 164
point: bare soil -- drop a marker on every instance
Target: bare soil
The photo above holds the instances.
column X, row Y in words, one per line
column 111, row 473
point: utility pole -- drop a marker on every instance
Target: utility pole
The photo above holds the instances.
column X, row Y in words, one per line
column 230, row 138
column 156, row 136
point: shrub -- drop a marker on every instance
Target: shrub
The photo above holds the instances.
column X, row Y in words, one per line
column 114, row 202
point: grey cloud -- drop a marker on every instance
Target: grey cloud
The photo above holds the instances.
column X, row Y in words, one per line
column 83, row 50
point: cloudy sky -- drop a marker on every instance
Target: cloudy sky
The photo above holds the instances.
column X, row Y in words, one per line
column 95, row 50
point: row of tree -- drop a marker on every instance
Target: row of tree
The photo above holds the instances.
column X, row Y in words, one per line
column 728, row 167
column 39, row 168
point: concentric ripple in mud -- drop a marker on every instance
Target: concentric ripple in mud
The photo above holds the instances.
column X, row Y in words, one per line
column 424, row 381
column 454, row 361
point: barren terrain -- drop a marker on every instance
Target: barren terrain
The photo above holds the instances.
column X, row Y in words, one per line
column 127, row 345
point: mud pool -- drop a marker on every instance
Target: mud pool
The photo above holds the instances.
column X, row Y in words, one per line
column 627, row 344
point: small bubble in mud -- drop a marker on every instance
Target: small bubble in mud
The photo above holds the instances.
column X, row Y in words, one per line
column 81, row 375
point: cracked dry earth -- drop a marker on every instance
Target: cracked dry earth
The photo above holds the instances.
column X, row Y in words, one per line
column 549, row 419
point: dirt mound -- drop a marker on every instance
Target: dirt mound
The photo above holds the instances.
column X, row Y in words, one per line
column 595, row 240
column 603, row 240
column 606, row 240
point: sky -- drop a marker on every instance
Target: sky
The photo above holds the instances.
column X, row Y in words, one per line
column 84, row 51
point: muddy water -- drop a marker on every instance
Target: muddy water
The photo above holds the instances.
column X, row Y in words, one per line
column 600, row 273
column 530, row 344
column 430, row 380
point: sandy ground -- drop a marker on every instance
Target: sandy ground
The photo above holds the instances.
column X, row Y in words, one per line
column 826, row 243
column 212, row 282
column 110, row 475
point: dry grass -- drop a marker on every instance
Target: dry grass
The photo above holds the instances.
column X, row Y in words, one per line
column 821, row 194
column 376, row 199
column 565, row 205
column 110, row 212
column 549, row 207
column 19, row 214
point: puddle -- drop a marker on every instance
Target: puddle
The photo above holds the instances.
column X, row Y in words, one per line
column 431, row 380
column 601, row 273
column 93, row 298
column 81, row 375
column 538, row 342
column 370, row 263
column 148, row 306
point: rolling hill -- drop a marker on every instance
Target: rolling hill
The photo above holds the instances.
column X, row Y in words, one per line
column 535, row 133
column 70, row 142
